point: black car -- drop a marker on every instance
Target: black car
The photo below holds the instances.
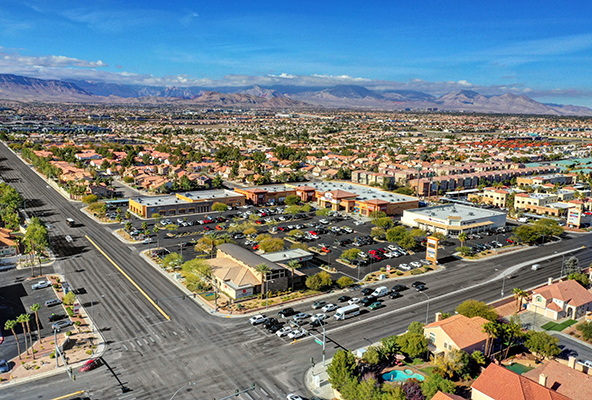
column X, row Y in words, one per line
column 367, row 291
column 56, row 317
column 274, row 328
column 417, row 283
column 366, row 301
column 395, row 295
column 286, row 312
column 421, row 288
column 270, row 322
column 399, row 288
column 343, row 299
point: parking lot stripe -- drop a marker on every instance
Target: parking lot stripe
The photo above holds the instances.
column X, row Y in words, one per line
column 128, row 278
column 69, row 395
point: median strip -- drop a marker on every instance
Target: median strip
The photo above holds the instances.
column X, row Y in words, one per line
column 128, row 278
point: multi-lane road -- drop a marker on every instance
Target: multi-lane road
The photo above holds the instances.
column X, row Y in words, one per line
column 154, row 356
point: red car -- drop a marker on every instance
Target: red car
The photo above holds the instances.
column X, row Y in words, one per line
column 90, row 365
column 256, row 247
column 259, row 222
column 218, row 227
column 325, row 250
column 208, row 221
column 509, row 241
column 207, row 228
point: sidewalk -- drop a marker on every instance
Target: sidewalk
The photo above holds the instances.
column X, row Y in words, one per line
column 316, row 381
column 86, row 342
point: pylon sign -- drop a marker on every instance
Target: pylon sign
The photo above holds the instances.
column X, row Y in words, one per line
column 432, row 249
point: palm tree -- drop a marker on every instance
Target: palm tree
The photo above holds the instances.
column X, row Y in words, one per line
column 9, row 326
column 519, row 295
column 22, row 319
column 463, row 238
column 35, row 309
column 293, row 264
column 512, row 331
column 27, row 320
column 489, row 328
column 263, row 269
column 144, row 226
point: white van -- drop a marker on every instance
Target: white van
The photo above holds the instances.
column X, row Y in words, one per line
column 535, row 267
column 523, row 219
column 380, row 291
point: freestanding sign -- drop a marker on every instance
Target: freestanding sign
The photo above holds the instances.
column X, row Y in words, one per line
column 432, row 249
column 76, row 308
column 574, row 217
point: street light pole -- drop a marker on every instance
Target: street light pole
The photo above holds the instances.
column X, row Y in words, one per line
column 503, row 284
column 428, row 307
column 267, row 294
column 181, row 388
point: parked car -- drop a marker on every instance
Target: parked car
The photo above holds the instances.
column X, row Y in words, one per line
column 41, row 285
column 274, row 328
column 90, row 365
column 4, row 367
column 270, row 322
column 52, row 302
column 56, row 317
column 343, row 299
column 293, row 396
column 286, row 312
column 258, row 319
column 61, row 324
column 318, row 304
column 284, row 331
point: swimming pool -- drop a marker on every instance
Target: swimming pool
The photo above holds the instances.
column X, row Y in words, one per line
column 397, row 375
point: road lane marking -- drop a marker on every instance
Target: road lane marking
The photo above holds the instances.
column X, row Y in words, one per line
column 69, row 395
column 128, row 278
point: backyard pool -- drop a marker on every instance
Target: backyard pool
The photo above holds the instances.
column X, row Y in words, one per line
column 398, row 375
column 519, row 368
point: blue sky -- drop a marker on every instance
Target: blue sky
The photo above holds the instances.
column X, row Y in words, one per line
column 539, row 48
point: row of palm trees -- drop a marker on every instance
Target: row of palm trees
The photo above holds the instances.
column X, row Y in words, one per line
column 24, row 320
column 508, row 333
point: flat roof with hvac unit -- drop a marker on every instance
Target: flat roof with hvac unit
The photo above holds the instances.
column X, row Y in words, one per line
column 452, row 219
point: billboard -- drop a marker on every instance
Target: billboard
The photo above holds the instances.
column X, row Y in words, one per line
column 432, row 249
column 574, row 216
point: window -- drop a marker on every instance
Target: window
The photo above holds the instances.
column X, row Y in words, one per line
column 432, row 338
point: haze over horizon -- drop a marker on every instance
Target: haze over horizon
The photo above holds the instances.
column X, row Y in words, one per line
column 531, row 47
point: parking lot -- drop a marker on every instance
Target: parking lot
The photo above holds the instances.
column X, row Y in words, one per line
column 331, row 234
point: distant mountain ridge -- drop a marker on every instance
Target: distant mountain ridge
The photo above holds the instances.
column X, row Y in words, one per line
column 20, row 88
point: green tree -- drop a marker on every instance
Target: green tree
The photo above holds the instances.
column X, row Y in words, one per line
column 219, row 207
column 350, row 254
column 471, row 308
column 542, row 344
column 292, row 199
column 69, row 298
column 435, row 383
column 35, row 309
column 217, row 182
column 415, row 327
column 319, row 281
column 582, row 279
column 23, row 319
column 463, row 238
column 572, row 266
column 343, row 368
column 128, row 226
column 198, row 267
column 89, row 199
column 584, row 327
column 9, row 325
column 519, row 296
column 323, row 212
column 407, row 242
column 172, row 260
column 396, row 233
column 292, row 210
column 269, row 245
column 464, row 250
column 293, row 265
column 263, row 269
column 384, row 222
column 144, row 226
column 389, row 345
column 413, row 344
column 373, row 356
column 345, row 281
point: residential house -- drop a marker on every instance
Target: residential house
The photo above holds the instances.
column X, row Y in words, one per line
column 564, row 299
column 456, row 333
column 564, row 379
column 7, row 243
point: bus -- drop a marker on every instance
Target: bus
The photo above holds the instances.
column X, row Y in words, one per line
column 70, row 222
column 347, row 312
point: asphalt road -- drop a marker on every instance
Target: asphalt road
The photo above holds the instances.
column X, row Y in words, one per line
column 154, row 357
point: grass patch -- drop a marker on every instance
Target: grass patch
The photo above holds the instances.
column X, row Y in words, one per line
column 554, row 326
column 428, row 370
column 549, row 325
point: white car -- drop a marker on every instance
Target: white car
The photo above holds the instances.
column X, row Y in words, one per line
column 293, row 396
column 147, row 240
column 318, row 317
column 41, row 285
column 415, row 264
column 295, row 334
column 329, row 307
column 347, row 230
column 404, row 267
column 324, row 221
column 389, row 254
column 258, row 319
column 391, row 247
column 355, row 300
column 284, row 331
column 359, row 222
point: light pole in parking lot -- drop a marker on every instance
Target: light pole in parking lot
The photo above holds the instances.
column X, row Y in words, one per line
column 267, row 293
column 181, row 388
column 428, row 308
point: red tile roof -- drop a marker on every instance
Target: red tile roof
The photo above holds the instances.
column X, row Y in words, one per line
column 463, row 331
column 563, row 379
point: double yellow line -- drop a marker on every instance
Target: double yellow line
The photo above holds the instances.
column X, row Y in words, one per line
column 129, row 279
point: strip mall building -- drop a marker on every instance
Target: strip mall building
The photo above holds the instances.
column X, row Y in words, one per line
column 338, row 196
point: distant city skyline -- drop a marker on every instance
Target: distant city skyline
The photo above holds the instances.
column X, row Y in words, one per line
column 537, row 48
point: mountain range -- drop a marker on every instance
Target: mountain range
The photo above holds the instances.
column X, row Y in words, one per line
column 20, row 88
